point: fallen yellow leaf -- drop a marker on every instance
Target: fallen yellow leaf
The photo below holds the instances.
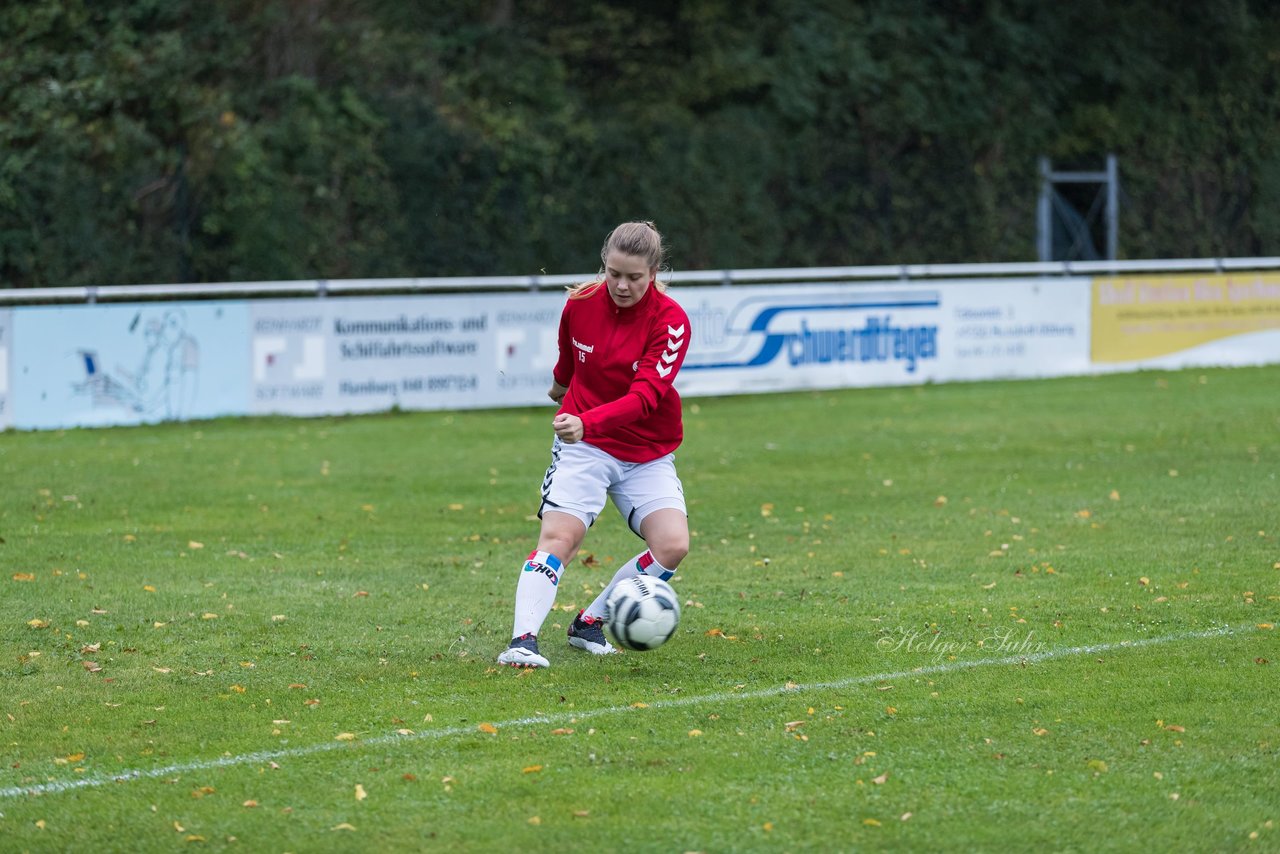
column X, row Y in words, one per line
column 343, row 826
column 694, row 733
column 345, row 736
column 1040, row 731
column 531, row 769
column 870, row 822
column 361, row 794
column 193, row 545
column 882, row 779
column 24, row 576
column 487, row 728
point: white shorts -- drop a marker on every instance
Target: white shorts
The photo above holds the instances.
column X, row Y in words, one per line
column 581, row 477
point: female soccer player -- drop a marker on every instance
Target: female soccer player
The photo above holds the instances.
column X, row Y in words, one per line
column 622, row 341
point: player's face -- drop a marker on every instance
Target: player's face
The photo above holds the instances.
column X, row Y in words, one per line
column 628, row 278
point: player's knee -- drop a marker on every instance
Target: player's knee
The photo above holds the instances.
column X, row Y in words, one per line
column 561, row 535
column 670, row 550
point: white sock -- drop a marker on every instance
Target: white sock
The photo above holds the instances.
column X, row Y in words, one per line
column 536, row 592
column 643, row 562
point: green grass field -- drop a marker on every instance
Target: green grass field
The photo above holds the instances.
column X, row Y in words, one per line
column 1001, row 616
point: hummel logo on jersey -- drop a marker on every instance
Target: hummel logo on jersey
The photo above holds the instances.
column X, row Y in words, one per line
column 675, row 340
column 588, row 348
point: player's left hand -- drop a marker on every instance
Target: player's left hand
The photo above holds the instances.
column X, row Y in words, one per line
column 568, row 427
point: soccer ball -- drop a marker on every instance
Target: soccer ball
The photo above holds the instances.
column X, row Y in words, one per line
column 642, row 612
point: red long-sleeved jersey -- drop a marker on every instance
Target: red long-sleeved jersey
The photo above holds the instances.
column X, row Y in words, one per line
column 619, row 364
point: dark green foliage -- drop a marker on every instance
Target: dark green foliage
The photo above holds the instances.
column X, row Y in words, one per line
column 262, row 139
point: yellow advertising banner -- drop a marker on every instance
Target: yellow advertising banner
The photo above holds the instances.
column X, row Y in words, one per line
column 1146, row 317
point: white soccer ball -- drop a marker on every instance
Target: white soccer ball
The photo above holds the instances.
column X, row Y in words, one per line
column 642, row 612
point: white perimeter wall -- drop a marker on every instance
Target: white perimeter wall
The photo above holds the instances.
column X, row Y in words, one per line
column 88, row 365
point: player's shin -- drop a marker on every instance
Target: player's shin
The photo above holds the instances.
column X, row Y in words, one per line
column 536, row 592
column 643, row 562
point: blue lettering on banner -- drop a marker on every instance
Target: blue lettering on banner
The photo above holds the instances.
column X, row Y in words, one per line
column 879, row 339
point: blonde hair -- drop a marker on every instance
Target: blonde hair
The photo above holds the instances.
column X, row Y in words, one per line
column 640, row 239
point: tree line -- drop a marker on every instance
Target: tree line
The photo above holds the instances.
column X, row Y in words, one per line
column 196, row 141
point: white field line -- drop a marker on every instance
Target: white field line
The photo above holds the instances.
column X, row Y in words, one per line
column 267, row 756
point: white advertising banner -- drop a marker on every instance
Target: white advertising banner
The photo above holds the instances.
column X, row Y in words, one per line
column 786, row 337
column 426, row 352
column 95, row 365
column 6, row 337
column 73, row 366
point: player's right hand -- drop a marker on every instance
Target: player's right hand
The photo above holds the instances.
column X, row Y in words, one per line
column 568, row 427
